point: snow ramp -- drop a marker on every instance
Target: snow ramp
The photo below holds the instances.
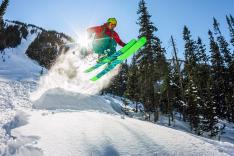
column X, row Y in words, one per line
column 59, row 99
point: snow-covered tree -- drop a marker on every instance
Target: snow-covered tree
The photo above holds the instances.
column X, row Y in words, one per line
column 193, row 99
column 228, row 73
column 169, row 92
column 119, row 82
column 132, row 91
column 217, row 74
column 150, row 59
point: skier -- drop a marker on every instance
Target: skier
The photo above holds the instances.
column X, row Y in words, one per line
column 105, row 39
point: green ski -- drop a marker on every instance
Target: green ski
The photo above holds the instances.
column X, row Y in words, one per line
column 113, row 63
column 112, row 57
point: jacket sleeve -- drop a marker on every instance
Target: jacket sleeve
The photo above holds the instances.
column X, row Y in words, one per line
column 118, row 40
column 96, row 29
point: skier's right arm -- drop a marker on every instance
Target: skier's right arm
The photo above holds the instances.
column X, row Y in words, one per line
column 95, row 30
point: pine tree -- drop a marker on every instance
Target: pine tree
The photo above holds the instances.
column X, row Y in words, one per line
column 223, row 44
column 194, row 107
column 169, row 90
column 119, row 82
column 179, row 99
column 193, row 100
column 231, row 28
column 201, row 52
column 217, row 72
column 122, row 79
column 149, row 58
column 203, row 67
column 3, row 8
column 209, row 118
column 203, row 78
column 190, row 52
column 232, row 20
column 226, row 55
column 230, row 96
column 132, row 84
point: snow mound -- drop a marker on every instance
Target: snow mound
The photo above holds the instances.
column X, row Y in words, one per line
column 57, row 99
column 100, row 134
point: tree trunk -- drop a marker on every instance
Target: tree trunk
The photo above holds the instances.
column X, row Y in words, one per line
column 180, row 77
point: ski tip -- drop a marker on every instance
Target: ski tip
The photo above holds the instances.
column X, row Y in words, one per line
column 95, row 78
column 143, row 39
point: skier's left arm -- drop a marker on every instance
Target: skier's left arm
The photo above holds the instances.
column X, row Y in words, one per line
column 118, row 40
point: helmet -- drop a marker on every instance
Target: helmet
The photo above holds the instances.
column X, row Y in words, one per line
column 112, row 20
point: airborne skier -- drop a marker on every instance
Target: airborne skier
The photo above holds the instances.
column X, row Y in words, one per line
column 104, row 44
column 105, row 39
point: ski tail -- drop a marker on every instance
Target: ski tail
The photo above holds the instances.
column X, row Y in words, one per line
column 106, row 70
column 94, row 67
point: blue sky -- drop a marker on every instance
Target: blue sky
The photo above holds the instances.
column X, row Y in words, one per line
column 169, row 16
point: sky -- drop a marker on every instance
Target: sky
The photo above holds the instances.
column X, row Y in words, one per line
column 169, row 16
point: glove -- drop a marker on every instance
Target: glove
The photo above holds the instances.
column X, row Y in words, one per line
column 124, row 44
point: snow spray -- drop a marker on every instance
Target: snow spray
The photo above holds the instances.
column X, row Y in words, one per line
column 68, row 74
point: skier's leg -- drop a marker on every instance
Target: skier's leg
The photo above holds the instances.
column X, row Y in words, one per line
column 112, row 47
column 100, row 45
column 101, row 48
column 97, row 48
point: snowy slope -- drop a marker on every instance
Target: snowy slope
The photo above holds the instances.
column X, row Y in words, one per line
column 78, row 129
column 62, row 115
column 16, row 64
column 14, row 96
column 66, row 123
column 94, row 133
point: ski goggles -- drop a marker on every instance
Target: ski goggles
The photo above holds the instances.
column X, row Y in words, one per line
column 112, row 25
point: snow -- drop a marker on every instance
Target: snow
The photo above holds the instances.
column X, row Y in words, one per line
column 177, row 124
column 95, row 133
column 14, row 96
column 68, row 123
column 68, row 74
column 131, row 105
column 228, row 136
column 59, row 99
